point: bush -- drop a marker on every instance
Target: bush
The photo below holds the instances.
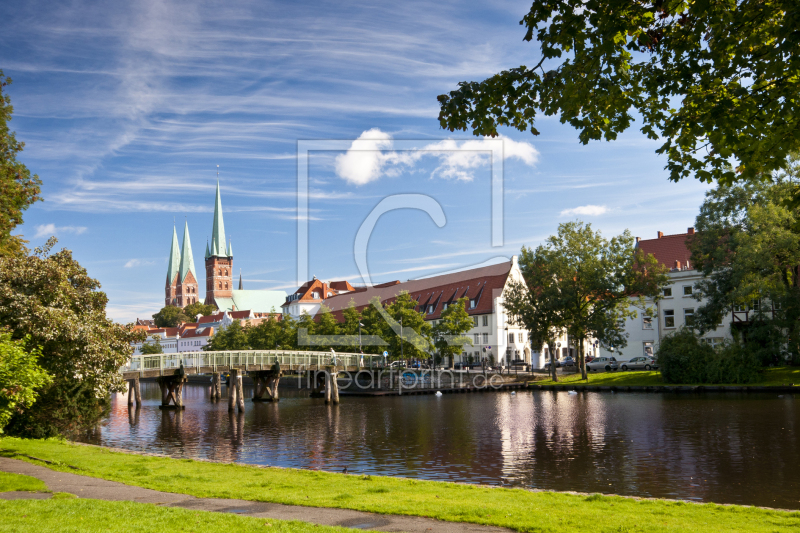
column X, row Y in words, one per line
column 683, row 358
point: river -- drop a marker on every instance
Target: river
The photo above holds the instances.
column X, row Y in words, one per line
column 713, row 447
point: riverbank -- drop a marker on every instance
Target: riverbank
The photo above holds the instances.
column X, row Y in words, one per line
column 517, row 509
column 779, row 379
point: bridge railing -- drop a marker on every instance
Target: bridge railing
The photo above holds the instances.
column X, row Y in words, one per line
column 197, row 360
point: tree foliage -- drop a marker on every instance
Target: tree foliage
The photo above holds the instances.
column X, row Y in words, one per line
column 711, row 80
column 449, row 332
column 684, row 358
column 152, row 348
column 50, row 299
column 416, row 332
column 585, row 285
column 748, row 247
column 21, row 377
column 18, row 189
column 192, row 310
column 170, row 317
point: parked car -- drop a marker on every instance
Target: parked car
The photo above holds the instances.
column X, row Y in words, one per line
column 639, row 363
column 567, row 361
column 602, row 363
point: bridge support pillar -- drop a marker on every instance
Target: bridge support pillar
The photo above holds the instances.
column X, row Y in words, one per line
column 331, row 386
column 134, row 392
column 216, row 386
column 266, row 381
column 171, row 391
column 235, row 391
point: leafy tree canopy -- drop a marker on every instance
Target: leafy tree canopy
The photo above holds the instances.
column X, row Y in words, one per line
column 170, row 317
column 152, row 348
column 21, row 377
column 713, row 81
column 449, row 332
column 197, row 308
column 18, row 189
column 51, row 300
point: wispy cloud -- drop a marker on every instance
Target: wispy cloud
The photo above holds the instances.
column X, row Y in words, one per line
column 138, row 262
column 585, row 210
column 47, row 230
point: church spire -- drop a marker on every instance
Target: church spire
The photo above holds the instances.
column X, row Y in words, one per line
column 174, row 258
column 241, row 287
column 187, row 260
column 218, row 233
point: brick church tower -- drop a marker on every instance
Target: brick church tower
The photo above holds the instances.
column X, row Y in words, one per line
column 181, row 287
column 219, row 260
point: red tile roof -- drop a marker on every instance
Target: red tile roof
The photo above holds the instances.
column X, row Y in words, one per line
column 668, row 249
column 204, row 332
column 481, row 284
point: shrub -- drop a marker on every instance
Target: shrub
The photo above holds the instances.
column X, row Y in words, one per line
column 683, row 358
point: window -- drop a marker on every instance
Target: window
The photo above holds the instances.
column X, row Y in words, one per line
column 667, row 292
column 688, row 315
column 226, row 271
column 472, row 304
column 485, row 320
column 755, row 305
column 510, row 338
column 647, row 322
column 220, row 271
column 519, row 337
column 687, row 290
column 475, row 321
column 715, row 342
column 226, row 284
column 738, row 308
column 430, row 309
column 220, row 284
column 315, row 295
column 669, row 318
column 477, row 338
column 485, row 338
column 648, row 349
column 444, row 307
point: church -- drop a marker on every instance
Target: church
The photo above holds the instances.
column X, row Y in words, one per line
column 182, row 284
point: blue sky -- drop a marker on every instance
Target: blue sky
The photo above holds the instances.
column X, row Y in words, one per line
column 127, row 109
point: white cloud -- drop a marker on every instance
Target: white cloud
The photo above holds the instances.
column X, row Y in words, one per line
column 138, row 262
column 46, row 230
column 588, row 210
column 371, row 156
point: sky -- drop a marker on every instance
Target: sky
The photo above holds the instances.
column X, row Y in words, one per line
column 130, row 109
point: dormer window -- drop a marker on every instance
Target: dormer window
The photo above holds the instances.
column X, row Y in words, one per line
column 472, row 304
column 430, row 309
column 315, row 295
column 444, row 307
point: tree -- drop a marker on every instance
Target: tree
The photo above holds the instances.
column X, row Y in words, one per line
column 714, row 81
column 18, row 189
column 449, row 332
column 328, row 327
column 352, row 318
column 152, row 348
column 233, row 337
column 50, row 299
column 170, row 317
column 192, row 310
column 266, row 335
column 21, row 377
column 588, row 285
column 747, row 245
column 416, row 332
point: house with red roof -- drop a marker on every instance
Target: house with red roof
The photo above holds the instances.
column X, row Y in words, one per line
column 678, row 305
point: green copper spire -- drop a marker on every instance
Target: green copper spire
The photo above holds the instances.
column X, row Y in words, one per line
column 230, row 248
column 218, row 233
column 207, row 253
column 174, row 258
column 187, row 261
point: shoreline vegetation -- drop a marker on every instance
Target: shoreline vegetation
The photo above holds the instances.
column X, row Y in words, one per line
column 781, row 376
column 517, row 509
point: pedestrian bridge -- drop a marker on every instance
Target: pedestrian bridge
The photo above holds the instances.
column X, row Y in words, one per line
column 173, row 364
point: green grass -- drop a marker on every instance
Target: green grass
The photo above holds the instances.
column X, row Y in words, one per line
column 513, row 508
column 782, row 375
column 84, row 515
column 11, row 482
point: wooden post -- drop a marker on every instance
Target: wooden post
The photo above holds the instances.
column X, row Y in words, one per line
column 239, row 394
column 137, row 392
column 327, row 387
column 130, row 393
column 219, row 386
column 234, row 375
column 274, row 392
column 179, row 394
column 215, row 386
column 334, row 386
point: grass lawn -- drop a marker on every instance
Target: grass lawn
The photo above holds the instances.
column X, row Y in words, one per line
column 87, row 515
column 11, row 482
column 514, row 508
column 782, row 375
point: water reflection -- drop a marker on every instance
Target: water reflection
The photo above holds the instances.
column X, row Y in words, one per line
column 724, row 448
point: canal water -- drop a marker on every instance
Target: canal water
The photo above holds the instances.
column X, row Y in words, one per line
column 712, row 447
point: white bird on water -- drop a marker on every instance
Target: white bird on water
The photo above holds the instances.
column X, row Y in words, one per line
column 572, row 392
column 513, row 392
column 438, row 393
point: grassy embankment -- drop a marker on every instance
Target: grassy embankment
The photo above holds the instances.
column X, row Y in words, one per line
column 777, row 376
column 513, row 508
column 64, row 512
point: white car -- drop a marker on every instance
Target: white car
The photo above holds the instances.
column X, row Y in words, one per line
column 602, row 363
column 639, row 363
